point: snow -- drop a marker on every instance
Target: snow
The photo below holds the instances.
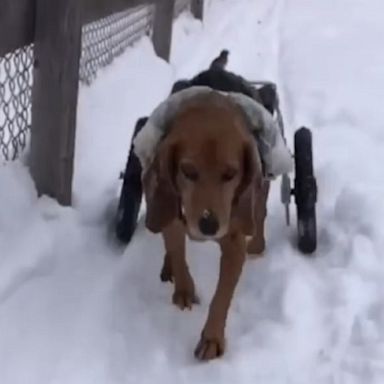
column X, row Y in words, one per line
column 76, row 308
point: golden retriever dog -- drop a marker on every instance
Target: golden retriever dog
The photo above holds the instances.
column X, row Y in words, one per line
column 206, row 182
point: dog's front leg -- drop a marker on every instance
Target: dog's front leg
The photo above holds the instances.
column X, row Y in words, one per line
column 175, row 262
column 256, row 245
column 212, row 342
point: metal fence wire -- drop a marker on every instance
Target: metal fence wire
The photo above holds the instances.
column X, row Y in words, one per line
column 102, row 41
column 105, row 39
column 15, row 101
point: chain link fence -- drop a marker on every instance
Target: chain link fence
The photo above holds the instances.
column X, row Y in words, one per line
column 105, row 39
column 15, row 101
column 102, row 41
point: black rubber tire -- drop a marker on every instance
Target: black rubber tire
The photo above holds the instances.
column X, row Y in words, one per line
column 305, row 191
column 131, row 194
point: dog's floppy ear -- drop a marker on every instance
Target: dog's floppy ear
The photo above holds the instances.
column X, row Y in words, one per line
column 249, row 185
column 160, row 189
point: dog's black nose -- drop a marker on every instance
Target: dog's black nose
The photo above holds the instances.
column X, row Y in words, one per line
column 208, row 224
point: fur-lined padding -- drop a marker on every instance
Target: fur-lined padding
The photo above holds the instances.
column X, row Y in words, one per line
column 274, row 152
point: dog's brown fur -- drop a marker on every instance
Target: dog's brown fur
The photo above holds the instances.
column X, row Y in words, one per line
column 208, row 160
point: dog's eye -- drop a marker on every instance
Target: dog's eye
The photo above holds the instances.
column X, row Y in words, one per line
column 229, row 174
column 189, row 171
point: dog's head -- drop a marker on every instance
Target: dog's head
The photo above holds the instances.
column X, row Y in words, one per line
column 206, row 169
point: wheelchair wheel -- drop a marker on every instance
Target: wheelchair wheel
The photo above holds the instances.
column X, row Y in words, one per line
column 131, row 194
column 305, row 191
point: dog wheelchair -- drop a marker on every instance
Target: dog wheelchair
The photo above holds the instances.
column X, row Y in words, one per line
column 303, row 189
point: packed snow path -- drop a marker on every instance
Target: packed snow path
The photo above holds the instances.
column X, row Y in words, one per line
column 76, row 309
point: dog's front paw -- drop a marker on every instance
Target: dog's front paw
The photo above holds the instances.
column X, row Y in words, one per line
column 256, row 246
column 185, row 298
column 210, row 348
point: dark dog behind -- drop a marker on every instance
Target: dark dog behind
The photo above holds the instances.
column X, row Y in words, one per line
column 226, row 81
column 221, row 61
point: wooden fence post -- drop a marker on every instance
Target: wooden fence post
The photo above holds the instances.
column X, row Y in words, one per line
column 54, row 96
column 197, row 8
column 162, row 28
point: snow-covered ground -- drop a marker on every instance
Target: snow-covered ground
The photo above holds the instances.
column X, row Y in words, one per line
column 77, row 309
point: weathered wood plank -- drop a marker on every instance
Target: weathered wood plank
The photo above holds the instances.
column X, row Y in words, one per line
column 17, row 22
column 54, row 101
column 197, row 8
column 162, row 28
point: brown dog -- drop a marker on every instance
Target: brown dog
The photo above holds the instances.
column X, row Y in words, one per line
column 206, row 181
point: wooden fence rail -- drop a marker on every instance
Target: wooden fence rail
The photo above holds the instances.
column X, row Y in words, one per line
column 162, row 27
column 54, row 27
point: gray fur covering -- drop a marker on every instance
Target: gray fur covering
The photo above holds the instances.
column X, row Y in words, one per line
column 274, row 152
